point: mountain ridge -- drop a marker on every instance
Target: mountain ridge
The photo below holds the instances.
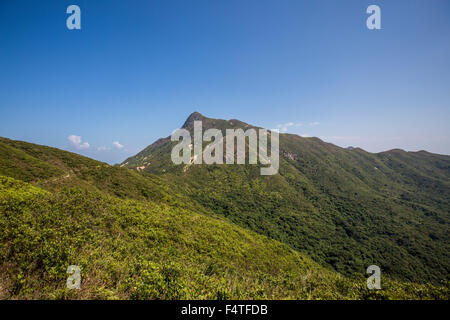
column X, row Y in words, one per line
column 236, row 123
column 365, row 202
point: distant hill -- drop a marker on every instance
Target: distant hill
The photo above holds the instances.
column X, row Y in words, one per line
column 346, row 208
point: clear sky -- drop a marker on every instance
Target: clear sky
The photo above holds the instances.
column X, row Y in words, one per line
column 137, row 69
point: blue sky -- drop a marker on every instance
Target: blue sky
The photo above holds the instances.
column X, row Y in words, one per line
column 137, row 69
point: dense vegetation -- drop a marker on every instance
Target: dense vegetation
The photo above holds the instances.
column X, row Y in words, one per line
column 144, row 250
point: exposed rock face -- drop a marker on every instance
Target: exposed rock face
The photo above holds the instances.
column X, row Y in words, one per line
column 289, row 155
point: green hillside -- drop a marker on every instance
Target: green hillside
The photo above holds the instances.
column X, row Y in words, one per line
column 138, row 237
column 346, row 209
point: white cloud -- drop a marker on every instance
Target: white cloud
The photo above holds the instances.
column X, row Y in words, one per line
column 117, row 145
column 77, row 143
column 103, row 148
column 285, row 127
column 305, row 135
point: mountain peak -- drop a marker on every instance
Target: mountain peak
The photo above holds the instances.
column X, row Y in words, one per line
column 194, row 116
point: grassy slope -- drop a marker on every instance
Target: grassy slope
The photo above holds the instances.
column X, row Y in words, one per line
column 346, row 209
column 143, row 242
